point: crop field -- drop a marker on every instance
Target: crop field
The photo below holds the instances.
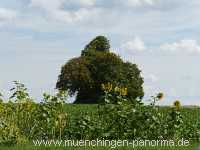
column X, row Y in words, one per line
column 191, row 114
column 27, row 125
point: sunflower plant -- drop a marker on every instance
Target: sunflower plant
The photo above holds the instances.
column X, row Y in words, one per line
column 175, row 121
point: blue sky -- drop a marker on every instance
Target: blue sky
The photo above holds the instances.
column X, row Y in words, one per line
column 161, row 36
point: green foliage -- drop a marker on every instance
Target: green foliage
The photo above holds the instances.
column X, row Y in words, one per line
column 43, row 147
column 114, row 118
column 24, row 120
column 75, row 76
column 125, row 120
column 131, row 78
column 175, row 123
column 19, row 92
column 83, row 75
column 104, row 67
column 100, row 43
column 1, row 98
column 50, row 112
column 9, row 134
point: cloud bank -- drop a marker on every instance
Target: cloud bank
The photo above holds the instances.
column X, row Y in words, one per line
column 7, row 15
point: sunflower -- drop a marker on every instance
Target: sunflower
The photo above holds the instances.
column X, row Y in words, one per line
column 160, row 96
column 107, row 87
column 177, row 104
column 123, row 91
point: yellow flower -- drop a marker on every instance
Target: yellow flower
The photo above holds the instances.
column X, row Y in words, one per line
column 117, row 89
column 103, row 86
column 107, row 87
column 123, row 91
column 177, row 104
column 61, row 121
column 160, row 96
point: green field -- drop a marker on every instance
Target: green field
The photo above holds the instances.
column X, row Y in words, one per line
column 189, row 112
column 73, row 110
column 31, row 147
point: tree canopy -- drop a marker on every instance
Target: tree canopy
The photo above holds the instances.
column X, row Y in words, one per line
column 84, row 75
column 100, row 43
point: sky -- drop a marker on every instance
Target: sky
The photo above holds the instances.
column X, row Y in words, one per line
column 37, row 37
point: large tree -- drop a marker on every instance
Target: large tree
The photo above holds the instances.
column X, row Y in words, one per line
column 100, row 43
column 96, row 65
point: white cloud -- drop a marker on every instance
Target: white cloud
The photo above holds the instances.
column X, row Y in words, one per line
column 137, row 46
column 7, row 15
column 85, row 2
column 133, row 46
column 55, row 9
column 184, row 46
column 48, row 5
column 74, row 16
column 135, row 3
column 85, row 10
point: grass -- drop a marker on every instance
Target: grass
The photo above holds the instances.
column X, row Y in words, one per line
column 31, row 147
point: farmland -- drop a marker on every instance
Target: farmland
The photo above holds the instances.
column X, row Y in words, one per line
column 189, row 112
column 23, row 120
